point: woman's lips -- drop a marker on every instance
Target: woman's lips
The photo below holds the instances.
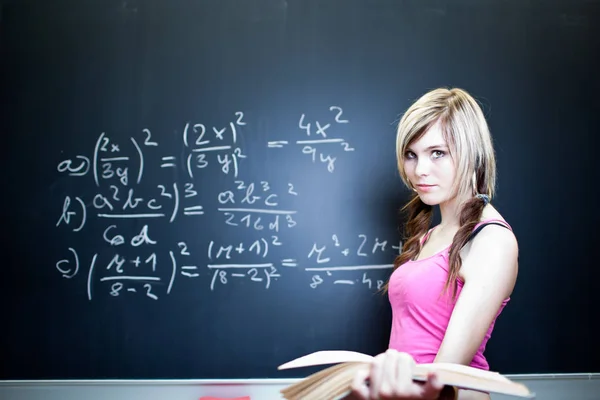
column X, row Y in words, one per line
column 425, row 188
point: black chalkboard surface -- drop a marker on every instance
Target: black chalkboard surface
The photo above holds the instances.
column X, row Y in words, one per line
column 207, row 189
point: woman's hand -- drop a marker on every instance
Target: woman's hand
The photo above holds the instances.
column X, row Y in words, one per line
column 390, row 377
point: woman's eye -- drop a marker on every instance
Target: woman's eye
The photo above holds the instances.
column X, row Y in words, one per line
column 438, row 153
column 409, row 155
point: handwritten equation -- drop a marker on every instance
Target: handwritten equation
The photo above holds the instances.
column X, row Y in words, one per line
column 136, row 264
column 318, row 147
column 110, row 162
column 223, row 263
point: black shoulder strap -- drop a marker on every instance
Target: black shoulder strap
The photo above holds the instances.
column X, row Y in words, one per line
column 480, row 227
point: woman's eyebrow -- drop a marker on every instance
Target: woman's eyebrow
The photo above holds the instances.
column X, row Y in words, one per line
column 432, row 147
column 437, row 146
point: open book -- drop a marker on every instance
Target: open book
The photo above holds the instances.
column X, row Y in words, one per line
column 334, row 382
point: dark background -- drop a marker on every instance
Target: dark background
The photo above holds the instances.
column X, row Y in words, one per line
column 78, row 77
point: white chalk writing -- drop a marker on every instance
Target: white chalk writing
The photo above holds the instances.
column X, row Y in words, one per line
column 142, row 184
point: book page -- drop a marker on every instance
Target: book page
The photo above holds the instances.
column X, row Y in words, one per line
column 327, row 357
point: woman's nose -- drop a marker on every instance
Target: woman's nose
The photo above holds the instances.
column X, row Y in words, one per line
column 422, row 167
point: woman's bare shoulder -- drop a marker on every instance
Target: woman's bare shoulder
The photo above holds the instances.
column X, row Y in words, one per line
column 494, row 246
column 489, row 212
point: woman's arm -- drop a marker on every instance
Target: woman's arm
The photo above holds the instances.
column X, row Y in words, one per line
column 489, row 271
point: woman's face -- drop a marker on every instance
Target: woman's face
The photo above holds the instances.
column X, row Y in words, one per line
column 430, row 168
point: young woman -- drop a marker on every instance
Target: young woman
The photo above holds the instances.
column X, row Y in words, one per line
column 450, row 282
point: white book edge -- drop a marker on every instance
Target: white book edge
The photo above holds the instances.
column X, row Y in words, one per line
column 324, row 357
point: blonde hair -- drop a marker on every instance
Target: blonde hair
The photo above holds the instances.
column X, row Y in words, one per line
column 466, row 132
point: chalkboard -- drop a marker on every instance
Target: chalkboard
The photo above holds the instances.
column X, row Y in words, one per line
column 207, row 189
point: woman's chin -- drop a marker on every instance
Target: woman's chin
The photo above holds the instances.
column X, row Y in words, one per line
column 430, row 199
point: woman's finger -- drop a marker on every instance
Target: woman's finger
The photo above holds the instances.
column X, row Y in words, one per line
column 404, row 371
column 388, row 387
column 359, row 388
column 376, row 375
column 431, row 388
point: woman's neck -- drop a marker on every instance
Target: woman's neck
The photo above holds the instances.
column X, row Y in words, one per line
column 450, row 214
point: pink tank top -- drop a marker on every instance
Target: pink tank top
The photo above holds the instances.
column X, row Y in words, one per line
column 420, row 313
